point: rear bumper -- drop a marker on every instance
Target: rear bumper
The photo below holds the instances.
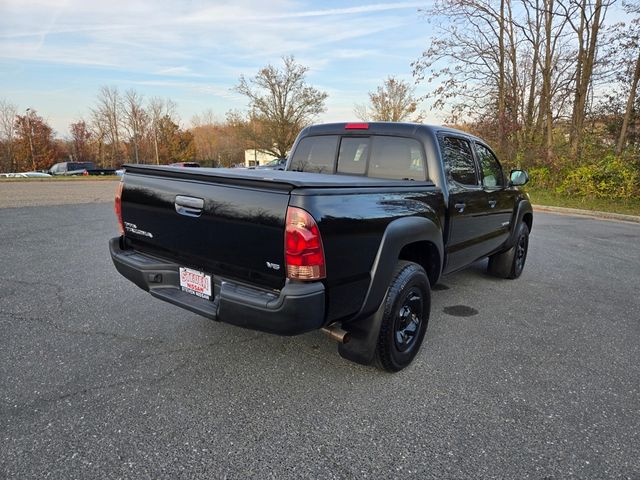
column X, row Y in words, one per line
column 297, row 308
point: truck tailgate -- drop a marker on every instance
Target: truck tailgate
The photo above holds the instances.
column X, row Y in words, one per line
column 234, row 229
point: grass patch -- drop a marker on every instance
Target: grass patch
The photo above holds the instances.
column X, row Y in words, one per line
column 553, row 199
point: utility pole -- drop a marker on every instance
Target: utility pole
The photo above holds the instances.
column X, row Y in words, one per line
column 255, row 144
column 33, row 158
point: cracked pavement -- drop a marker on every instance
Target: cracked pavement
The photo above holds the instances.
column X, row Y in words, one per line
column 100, row 380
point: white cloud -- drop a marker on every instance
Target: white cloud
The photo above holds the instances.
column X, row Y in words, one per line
column 140, row 36
column 209, row 89
column 200, row 48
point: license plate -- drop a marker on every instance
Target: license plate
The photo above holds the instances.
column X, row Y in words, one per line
column 195, row 282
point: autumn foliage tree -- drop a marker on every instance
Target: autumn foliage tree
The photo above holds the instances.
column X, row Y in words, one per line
column 35, row 147
column 220, row 143
column 176, row 145
column 80, row 141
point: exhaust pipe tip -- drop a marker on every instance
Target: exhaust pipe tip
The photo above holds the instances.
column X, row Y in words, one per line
column 336, row 333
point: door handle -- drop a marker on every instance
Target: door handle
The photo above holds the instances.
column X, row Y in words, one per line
column 492, row 203
column 189, row 206
column 460, row 207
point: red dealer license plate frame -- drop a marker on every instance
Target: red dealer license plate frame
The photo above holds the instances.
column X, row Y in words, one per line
column 196, row 283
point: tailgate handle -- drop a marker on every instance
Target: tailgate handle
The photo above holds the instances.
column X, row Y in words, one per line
column 189, row 206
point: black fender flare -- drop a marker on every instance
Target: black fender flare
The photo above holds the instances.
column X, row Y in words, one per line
column 365, row 326
column 522, row 208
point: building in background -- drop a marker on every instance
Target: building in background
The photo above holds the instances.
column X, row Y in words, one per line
column 254, row 158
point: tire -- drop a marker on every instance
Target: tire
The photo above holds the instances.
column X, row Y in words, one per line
column 405, row 317
column 510, row 264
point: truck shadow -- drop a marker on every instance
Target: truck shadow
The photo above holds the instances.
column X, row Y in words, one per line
column 225, row 345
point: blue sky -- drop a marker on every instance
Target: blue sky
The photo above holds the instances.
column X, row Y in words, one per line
column 55, row 54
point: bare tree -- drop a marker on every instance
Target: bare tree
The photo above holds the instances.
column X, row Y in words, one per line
column 506, row 65
column 159, row 108
column 531, row 30
column 546, row 96
column 631, row 99
column 473, row 63
column 135, row 120
column 205, row 118
column 8, row 112
column 394, row 101
column 107, row 114
column 630, row 43
column 282, row 103
column 586, row 18
column 99, row 133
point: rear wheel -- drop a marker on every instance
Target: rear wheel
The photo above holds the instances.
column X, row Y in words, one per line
column 406, row 314
column 510, row 264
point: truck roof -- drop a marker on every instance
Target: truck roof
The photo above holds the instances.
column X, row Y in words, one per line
column 380, row 128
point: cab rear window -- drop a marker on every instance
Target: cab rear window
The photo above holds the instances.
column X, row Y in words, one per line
column 396, row 158
column 376, row 156
column 315, row 154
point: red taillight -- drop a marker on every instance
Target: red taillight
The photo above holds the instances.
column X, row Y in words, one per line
column 303, row 252
column 356, row 126
column 118, row 208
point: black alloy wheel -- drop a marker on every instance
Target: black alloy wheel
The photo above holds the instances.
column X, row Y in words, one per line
column 510, row 263
column 408, row 320
column 405, row 316
column 521, row 252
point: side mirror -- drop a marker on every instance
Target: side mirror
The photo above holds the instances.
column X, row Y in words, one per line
column 518, row 178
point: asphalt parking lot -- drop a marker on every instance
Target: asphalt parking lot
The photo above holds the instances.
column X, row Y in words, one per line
column 539, row 379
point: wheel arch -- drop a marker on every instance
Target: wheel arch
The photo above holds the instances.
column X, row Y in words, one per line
column 528, row 219
column 403, row 239
column 425, row 253
column 523, row 213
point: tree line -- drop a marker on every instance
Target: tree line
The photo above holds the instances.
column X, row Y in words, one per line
column 122, row 127
column 127, row 127
column 547, row 82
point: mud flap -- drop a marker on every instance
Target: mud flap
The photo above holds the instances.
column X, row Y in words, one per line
column 361, row 348
column 500, row 264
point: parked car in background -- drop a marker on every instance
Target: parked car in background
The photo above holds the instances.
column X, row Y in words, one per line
column 25, row 175
column 185, row 164
column 79, row 168
column 275, row 164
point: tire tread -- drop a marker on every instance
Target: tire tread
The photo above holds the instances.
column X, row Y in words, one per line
column 403, row 273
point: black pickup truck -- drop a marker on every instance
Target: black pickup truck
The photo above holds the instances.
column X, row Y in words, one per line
column 348, row 239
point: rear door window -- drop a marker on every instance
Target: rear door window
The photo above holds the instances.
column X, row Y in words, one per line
column 490, row 167
column 458, row 160
column 352, row 159
column 315, row 154
column 396, row 158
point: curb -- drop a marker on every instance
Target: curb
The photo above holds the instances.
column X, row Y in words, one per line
column 588, row 213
